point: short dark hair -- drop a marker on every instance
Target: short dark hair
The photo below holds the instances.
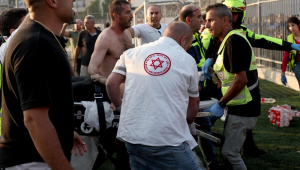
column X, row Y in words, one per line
column 116, row 7
column 221, row 10
column 187, row 13
column 107, row 24
column 294, row 20
column 204, row 17
column 11, row 18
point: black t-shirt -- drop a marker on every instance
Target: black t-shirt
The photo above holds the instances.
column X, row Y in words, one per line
column 36, row 73
column 87, row 43
column 237, row 57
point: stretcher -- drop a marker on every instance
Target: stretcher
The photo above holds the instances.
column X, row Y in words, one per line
column 204, row 105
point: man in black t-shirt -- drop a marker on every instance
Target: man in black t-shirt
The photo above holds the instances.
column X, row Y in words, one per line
column 238, row 75
column 86, row 42
column 37, row 119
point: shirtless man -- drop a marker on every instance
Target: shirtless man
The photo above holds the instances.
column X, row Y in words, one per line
column 112, row 42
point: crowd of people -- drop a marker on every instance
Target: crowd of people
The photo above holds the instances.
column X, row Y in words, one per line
column 157, row 86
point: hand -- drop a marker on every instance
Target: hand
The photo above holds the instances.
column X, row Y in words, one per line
column 208, row 62
column 283, row 80
column 78, row 144
column 207, row 76
column 218, row 81
column 216, row 111
column 192, row 128
column 295, row 47
column 99, row 78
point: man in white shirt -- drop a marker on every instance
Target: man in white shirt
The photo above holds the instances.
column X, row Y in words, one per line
column 150, row 31
column 160, row 99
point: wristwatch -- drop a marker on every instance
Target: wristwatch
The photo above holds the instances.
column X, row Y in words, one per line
column 223, row 105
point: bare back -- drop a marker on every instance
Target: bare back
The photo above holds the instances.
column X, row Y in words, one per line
column 108, row 49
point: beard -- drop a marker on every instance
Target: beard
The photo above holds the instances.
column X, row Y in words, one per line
column 124, row 23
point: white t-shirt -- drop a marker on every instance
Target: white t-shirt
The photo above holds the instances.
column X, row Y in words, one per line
column 160, row 78
column 147, row 34
column 4, row 46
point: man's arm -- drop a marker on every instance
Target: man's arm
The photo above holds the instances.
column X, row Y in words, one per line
column 131, row 30
column 192, row 110
column 63, row 31
column 239, row 82
column 101, row 48
column 77, row 52
column 44, row 137
column 263, row 41
column 113, row 88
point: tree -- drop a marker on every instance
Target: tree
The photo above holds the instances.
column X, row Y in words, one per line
column 105, row 8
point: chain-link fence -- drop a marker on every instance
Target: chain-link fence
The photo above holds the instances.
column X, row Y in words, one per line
column 269, row 17
column 169, row 9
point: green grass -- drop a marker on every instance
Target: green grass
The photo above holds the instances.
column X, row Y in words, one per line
column 282, row 144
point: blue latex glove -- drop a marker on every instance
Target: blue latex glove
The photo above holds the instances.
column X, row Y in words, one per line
column 283, row 80
column 207, row 76
column 208, row 62
column 216, row 111
column 295, row 47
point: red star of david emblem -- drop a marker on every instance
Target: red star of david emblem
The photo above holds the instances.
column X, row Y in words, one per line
column 156, row 66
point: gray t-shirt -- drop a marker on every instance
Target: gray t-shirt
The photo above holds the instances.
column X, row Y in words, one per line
column 146, row 34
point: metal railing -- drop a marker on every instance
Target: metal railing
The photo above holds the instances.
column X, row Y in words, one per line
column 269, row 17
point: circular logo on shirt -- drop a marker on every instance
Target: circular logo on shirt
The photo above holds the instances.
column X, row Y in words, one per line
column 86, row 128
column 221, row 75
column 157, row 64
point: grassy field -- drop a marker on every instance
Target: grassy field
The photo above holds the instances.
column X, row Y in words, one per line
column 282, row 144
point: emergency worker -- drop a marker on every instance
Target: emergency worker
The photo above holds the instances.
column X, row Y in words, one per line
column 238, row 10
column 292, row 59
column 236, row 74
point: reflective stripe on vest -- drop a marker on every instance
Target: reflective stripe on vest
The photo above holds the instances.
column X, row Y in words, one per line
column 244, row 95
column 250, row 88
column 197, row 42
column 293, row 53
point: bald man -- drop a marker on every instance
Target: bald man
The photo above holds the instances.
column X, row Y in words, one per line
column 160, row 97
column 37, row 115
column 152, row 30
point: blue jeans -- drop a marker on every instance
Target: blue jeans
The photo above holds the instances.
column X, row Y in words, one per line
column 143, row 157
column 297, row 71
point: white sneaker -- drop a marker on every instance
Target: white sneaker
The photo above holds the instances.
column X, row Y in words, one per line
column 223, row 118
